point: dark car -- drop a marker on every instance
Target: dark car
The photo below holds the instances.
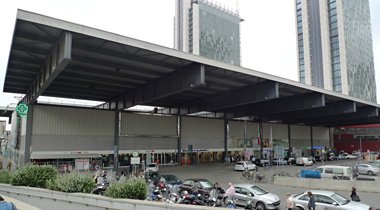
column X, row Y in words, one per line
column 152, row 176
column 170, row 179
column 261, row 162
column 197, row 186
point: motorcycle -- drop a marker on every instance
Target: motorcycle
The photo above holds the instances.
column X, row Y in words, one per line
column 101, row 185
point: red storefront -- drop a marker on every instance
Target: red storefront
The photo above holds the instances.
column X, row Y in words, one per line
column 352, row 138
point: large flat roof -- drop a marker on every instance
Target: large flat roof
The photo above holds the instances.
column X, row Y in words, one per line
column 52, row 57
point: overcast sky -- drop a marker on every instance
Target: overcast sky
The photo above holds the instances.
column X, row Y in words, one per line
column 268, row 34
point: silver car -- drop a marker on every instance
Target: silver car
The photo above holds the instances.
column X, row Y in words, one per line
column 368, row 169
column 327, row 200
column 257, row 195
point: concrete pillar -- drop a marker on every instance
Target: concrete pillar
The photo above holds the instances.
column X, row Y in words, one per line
column 28, row 134
column 116, row 142
column 289, row 141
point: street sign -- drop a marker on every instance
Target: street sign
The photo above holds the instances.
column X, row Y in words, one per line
column 135, row 160
column 22, row 109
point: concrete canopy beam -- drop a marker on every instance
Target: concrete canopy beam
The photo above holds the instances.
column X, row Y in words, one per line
column 54, row 64
column 179, row 81
column 252, row 94
column 281, row 105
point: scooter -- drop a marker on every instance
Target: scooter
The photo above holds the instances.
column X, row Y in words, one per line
column 101, row 186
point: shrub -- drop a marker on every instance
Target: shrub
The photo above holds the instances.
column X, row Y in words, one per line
column 33, row 176
column 5, row 177
column 133, row 189
column 72, row 182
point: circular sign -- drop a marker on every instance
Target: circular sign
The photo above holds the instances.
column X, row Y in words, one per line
column 22, row 109
column 135, row 154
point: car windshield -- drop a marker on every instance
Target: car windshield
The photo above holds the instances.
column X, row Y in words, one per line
column 152, row 165
column 170, row 178
column 342, row 200
column 205, row 184
column 258, row 191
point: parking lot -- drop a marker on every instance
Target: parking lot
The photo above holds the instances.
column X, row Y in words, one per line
column 223, row 174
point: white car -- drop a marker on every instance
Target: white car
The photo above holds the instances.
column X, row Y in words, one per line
column 152, row 167
column 242, row 165
column 328, row 200
column 304, row 161
column 351, row 156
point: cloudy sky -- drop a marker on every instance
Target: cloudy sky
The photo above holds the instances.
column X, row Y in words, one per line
column 268, row 39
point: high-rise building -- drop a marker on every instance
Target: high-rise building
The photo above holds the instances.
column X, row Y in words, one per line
column 208, row 30
column 335, row 49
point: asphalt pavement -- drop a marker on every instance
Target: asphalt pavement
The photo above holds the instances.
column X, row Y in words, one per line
column 224, row 173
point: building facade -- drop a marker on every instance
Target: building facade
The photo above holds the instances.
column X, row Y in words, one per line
column 335, row 49
column 208, row 30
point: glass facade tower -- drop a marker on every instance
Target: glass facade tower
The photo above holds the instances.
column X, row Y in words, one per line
column 207, row 30
column 335, row 49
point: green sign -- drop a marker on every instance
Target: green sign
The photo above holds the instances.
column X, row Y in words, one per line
column 22, row 109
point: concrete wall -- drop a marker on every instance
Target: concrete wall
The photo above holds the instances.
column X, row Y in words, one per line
column 47, row 199
column 328, row 184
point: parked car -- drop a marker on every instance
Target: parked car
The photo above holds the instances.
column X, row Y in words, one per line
column 339, row 172
column 151, row 176
column 368, row 169
column 291, row 160
column 342, row 157
column 261, row 162
column 152, row 167
column 351, row 156
column 328, row 200
column 304, row 161
column 279, row 161
column 331, row 156
column 242, row 165
column 170, row 179
column 198, row 186
column 257, row 195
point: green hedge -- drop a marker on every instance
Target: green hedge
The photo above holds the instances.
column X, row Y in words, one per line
column 33, row 176
column 133, row 189
column 72, row 182
column 5, row 177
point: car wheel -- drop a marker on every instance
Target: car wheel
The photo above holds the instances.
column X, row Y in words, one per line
column 370, row 173
column 260, row 206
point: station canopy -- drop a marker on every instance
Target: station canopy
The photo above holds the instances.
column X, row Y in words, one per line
column 52, row 57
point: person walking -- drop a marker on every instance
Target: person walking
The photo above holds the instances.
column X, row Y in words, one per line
column 354, row 196
column 230, row 192
column 4, row 205
column 289, row 203
column 311, row 203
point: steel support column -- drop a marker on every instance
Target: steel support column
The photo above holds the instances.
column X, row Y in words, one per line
column 116, row 142
column 28, row 134
column 311, row 142
column 225, row 155
column 179, row 142
column 289, row 141
column 261, row 139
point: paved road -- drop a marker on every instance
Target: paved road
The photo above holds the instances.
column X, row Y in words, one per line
column 224, row 174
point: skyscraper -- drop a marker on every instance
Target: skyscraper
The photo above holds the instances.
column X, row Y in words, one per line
column 208, row 30
column 335, row 46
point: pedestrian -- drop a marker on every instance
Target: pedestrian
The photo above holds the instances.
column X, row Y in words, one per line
column 311, row 203
column 230, row 192
column 289, row 204
column 4, row 205
column 354, row 196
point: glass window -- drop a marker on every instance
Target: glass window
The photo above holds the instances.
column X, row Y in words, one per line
column 336, row 66
column 332, row 5
column 302, row 74
column 258, row 190
column 334, row 39
column 299, row 18
column 336, row 59
column 328, row 170
column 244, row 191
column 333, row 25
column 302, row 61
column 332, row 11
column 299, row 12
column 336, row 73
column 304, row 198
column 336, row 81
column 302, row 67
column 299, row 24
column 302, row 79
column 337, row 88
column 335, row 46
column 323, row 199
column 299, row 30
column 333, row 18
column 334, row 32
column 338, row 171
column 342, row 200
column 335, row 52
column 298, row 7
